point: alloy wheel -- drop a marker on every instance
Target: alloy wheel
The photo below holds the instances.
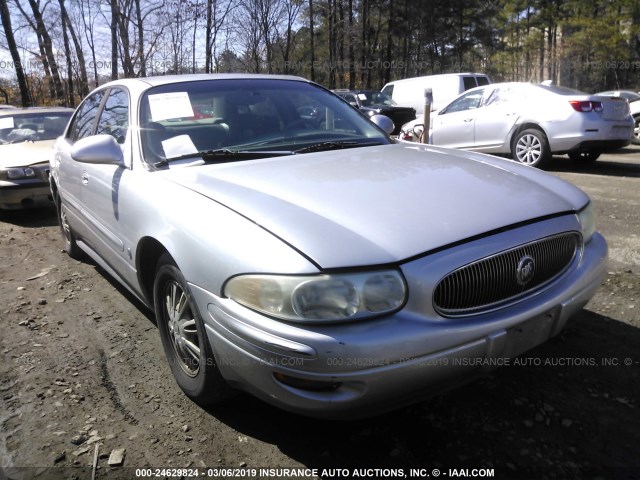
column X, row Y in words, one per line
column 182, row 327
column 528, row 149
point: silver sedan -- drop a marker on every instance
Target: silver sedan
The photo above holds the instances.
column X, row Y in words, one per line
column 307, row 259
column 530, row 122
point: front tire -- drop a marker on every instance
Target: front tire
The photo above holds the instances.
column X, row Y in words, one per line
column 68, row 237
column 636, row 130
column 183, row 337
column 530, row 147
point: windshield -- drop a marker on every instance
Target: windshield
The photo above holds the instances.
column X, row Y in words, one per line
column 179, row 120
column 33, row 126
column 370, row 99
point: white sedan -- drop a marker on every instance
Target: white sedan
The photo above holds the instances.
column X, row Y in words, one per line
column 529, row 122
column 26, row 138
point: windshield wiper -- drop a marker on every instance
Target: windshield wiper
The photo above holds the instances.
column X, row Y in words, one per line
column 333, row 145
column 225, row 154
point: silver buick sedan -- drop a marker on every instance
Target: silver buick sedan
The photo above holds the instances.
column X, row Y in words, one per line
column 307, row 259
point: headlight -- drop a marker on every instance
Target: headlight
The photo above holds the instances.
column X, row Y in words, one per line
column 587, row 221
column 16, row 173
column 320, row 298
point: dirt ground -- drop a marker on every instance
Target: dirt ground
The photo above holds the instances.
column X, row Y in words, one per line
column 82, row 365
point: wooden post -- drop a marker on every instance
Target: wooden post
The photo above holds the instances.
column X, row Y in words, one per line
column 428, row 100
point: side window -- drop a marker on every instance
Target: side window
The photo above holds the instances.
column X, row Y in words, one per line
column 496, row 97
column 388, row 90
column 350, row 98
column 507, row 94
column 85, row 118
column 114, row 120
column 469, row 82
column 467, row 101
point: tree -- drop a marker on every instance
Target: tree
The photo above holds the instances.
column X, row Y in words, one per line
column 89, row 16
column 15, row 55
column 82, row 67
column 216, row 16
column 46, row 48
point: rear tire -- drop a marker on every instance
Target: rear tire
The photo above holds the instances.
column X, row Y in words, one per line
column 584, row 157
column 636, row 130
column 530, row 147
column 184, row 338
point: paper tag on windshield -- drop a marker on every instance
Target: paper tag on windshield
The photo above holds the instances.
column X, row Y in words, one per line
column 362, row 96
column 6, row 123
column 164, row 106
column 178, row 146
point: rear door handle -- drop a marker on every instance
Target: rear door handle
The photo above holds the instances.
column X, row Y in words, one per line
column 85, row 178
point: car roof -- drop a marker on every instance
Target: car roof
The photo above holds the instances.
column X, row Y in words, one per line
column 168, row 79
column 557, row 89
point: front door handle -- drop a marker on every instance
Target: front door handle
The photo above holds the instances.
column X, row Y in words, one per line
column 85, row 178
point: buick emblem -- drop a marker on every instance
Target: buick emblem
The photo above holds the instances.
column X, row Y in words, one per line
column 526, row 269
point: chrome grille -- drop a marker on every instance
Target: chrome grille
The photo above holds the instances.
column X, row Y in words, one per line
column 493, row 281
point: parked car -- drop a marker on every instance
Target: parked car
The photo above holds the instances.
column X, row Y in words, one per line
column 634, row 107
column 629, row 95
column 529, row 122
column 409, row 92
column 316, row 264
column 6, row 107
column 372, row 103
column 26, row 141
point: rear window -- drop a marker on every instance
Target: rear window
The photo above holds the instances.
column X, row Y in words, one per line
column 482, row 81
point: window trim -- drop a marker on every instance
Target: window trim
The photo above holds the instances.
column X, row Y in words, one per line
column 103, row 103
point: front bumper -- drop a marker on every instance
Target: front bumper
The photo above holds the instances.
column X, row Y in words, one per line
column 386, row 363
column 29, row 192
column 24, row 194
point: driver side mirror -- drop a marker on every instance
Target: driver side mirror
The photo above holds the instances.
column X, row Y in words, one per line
column 98, row 149
column 383, row 122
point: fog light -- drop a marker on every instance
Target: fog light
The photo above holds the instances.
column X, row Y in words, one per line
column 305, row 384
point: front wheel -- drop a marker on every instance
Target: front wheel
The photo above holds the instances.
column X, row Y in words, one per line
column 531, row 147
column 636, row 130
column 183, row 337
column 68, row 237
column 584, row 157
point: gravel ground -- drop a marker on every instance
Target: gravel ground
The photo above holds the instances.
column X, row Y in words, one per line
column 83, row 376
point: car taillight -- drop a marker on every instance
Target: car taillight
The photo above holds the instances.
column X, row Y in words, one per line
column 586, row 106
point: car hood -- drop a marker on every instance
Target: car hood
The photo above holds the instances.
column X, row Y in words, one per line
column 25, row 153
column 383, row 204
